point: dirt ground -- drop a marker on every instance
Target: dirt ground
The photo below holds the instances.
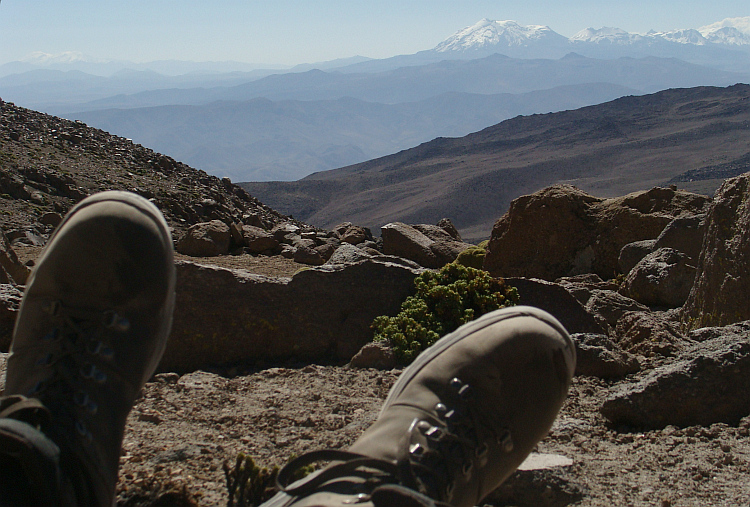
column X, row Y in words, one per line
column 184, row 428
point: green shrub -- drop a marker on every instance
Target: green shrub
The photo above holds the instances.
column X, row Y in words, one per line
column 443, row 301
column 472, row 257
column 250, row 485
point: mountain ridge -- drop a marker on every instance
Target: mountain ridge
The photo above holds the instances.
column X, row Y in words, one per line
column 629, row 144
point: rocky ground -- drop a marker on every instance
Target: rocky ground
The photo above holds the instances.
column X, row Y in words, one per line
column 184, row 428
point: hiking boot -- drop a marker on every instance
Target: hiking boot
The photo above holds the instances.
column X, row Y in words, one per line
column 91, row 330
column 456, row 424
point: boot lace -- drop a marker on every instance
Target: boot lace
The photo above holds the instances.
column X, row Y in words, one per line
column 439, row 455
column 78, row 346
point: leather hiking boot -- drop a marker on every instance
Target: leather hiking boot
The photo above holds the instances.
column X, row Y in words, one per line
column 91, row 330
column 456, row 424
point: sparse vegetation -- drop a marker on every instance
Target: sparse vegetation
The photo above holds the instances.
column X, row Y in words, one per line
column 250, row 485
column 443, row 301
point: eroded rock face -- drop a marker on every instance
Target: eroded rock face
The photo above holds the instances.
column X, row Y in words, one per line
column 563, row 231
column 709, row 383
column 598, row 356
column 721, row 293
column 662, row 278
column 227, row 316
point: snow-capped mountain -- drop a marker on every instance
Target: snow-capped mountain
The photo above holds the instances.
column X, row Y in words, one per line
column 499, row 35
column 41, row 58
column 488, row 33
column 731, row 31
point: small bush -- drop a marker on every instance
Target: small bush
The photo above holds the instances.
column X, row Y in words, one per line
column 472, row 257
column 250, row 485
column 443, row 302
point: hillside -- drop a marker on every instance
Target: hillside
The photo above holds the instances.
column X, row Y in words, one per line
column 47, row 164
column 692, row 137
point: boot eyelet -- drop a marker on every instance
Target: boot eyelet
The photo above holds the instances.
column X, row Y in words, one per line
column 506, row 441
column 456, row 384
column 481, row 451
column 441, row 410
column 467, row 468
column 113, row 321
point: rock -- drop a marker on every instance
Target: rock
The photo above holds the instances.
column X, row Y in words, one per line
column 611, row 306
column 325, row 250
column 51, row 219
column 632, row 253
column 308, row 255
column 374, row 355
column 257, row 240
column 708, row 383
column 284, row 229
column 721, row 292
column 225, row 316
column 650, row 334
column 10, row 302
column 447, row 225
column 662, row 278
column 684, row 234
column 3, row 362
column 541, row 480
column 10, row 263
column 562, row 231
column 598, row 356
column 353, row 234
column 206, row 239
column 405, row 241
column 348, row 254
column 428, row 245
column 556, row 300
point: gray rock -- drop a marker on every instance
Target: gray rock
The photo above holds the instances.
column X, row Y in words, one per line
column 721, row 292
column 650, row 334
column 541, row 480
column 684, row 234
column 348, row 254
column 662, row 278
column 374, row 355
column 257, row 240
column 225, row 316
column 598, row 356
column 611, row 306
column 632, row 253
column 556, row 300
column 308, row 255
column 10, row 263
column 206, row 239
column 405, row 241
column 708, row 383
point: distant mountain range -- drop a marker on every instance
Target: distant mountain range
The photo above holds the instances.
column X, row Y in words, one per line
column 689, row 137
column 253, row 123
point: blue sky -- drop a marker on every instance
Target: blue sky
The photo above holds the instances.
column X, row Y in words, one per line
column 294, row 31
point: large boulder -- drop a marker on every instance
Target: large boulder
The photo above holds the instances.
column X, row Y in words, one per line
column 206, row 239
column 721, row 292
column 708, row 383
column 563, row 231
column 257, row 240
column 650, row 334
column 662, row 278
column 225, row 316
column 429, row 246
column 556, row 300
column 684, row 234
column 598, row 356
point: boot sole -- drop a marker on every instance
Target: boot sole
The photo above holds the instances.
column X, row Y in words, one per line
column 487, row 320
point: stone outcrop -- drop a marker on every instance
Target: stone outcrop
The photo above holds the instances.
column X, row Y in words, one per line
column 662, row 278
column 650, row 334
column 598, row 356
column 227, row 316
column 10, row 302
column 206, row 239
column 563, row 231
column 556, row 300
column 721, row 292
column 708, row 383
column 430, row 246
